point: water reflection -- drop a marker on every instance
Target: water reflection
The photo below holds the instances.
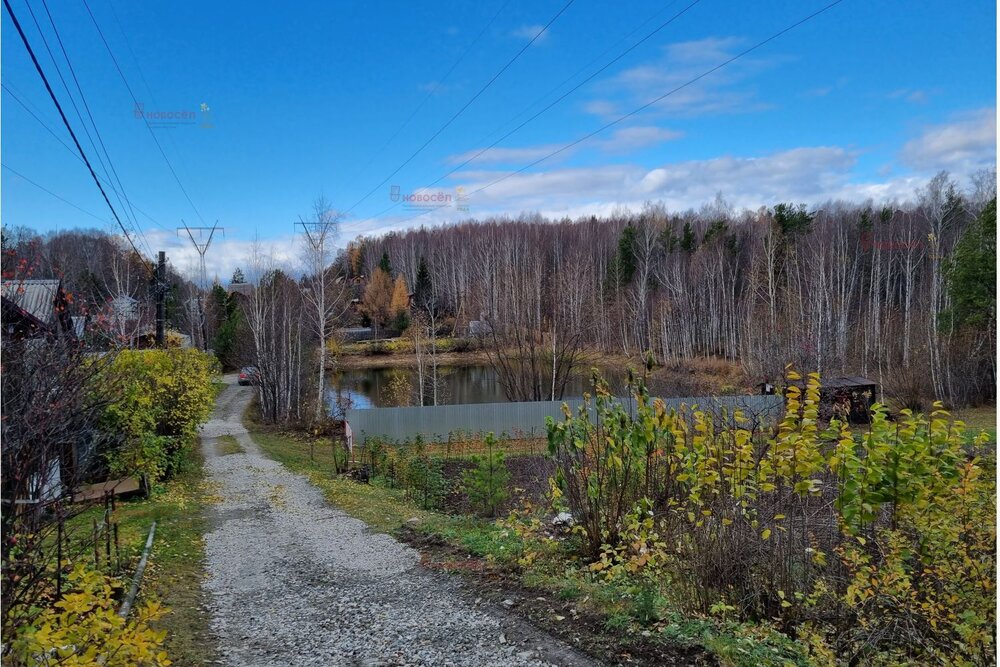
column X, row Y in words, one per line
column 391, row 387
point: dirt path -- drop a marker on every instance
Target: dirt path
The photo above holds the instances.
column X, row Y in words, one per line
column 293, row 581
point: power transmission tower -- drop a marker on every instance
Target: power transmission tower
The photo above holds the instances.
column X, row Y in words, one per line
column 317, row 234
column 201, row 244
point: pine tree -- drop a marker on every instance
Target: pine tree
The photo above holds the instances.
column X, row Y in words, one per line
column 689, row 240
column 385, row 264
column 973, row 270
column 422, row 289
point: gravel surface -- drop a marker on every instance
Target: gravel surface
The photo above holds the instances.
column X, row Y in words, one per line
column 294, row 581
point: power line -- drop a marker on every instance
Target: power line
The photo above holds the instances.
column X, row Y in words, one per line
column 144, row 119
column 69, row 128
column 580, row 70
column 142, row 77
column 639, row 109
column 69, row 148
column 47, row 191
column 430, row 92
column 97, row 132
column 202, row 248
column 464, row 107
column 103, row 161
column 568, row 92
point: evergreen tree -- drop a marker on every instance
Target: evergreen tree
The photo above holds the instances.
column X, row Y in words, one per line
column 973, row 270
column 238, row 278
column 689, row 240
column 227, row 318
column 422, row 289
column 385, row 264
column 623, row 267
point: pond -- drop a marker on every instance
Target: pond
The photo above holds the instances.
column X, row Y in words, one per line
column 392, row 387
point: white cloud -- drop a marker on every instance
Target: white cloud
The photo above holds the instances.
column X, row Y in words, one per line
column 962, row 146
column 622, row 140
column 723, row 91
column 810, row 175
column 605, row 108
column 224, row 255
column 915, row 96
column 498, row 155
column 528, row 32
column 628, row 139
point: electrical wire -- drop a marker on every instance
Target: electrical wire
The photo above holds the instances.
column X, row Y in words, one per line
column 430, row 92
column 145, row 120
column 46, row 190
column 635, row 111
column 69, row 128
column 69, row 148
column 463, row 108
column 121, row 188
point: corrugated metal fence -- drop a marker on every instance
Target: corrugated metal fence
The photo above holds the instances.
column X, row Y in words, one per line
column 523, row 419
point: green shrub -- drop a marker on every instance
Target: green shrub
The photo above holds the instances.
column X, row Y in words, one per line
column 425, row 482
column 878, row 549
column 486, row 483
column 161, row 398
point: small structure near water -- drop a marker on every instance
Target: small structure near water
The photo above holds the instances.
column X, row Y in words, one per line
column 849, row 397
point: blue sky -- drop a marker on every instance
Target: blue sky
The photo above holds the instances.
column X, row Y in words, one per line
column 867, row 99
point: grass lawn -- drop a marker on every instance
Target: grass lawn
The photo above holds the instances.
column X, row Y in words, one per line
column 176, row 565
column 983, row 418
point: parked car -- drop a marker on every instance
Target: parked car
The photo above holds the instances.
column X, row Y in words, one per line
column 249, row 375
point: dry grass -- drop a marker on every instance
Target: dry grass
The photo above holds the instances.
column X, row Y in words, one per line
column 227, row 445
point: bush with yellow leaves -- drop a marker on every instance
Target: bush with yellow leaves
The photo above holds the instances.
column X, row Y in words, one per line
column 877, row 548
column 161, row 397
column 83, row 628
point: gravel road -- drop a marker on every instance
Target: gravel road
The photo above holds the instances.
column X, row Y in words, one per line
column 293, row 581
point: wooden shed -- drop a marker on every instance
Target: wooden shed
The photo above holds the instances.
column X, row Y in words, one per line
column 849, row 397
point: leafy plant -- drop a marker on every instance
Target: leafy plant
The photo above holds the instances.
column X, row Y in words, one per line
column 425, row 482
column 878, row 548
column 486, row 483
column 160, row 398
column 84, row 628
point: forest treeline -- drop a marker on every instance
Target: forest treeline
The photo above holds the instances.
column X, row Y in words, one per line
column 901, row 293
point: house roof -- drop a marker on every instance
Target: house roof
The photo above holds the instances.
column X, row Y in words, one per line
column 847, row 381
column 35, row 297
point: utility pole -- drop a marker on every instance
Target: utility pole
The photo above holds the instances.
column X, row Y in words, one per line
column 202, row 247
column 317, row 234
column 161, row 299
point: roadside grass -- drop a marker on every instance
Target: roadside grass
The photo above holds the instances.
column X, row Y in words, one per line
column 175, row 569
column 548, row 567
column 982, row 418
column 229, row 445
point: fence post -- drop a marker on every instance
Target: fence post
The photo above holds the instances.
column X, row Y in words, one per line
column 97, row 549
column 59, row 554
column 137, row 579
